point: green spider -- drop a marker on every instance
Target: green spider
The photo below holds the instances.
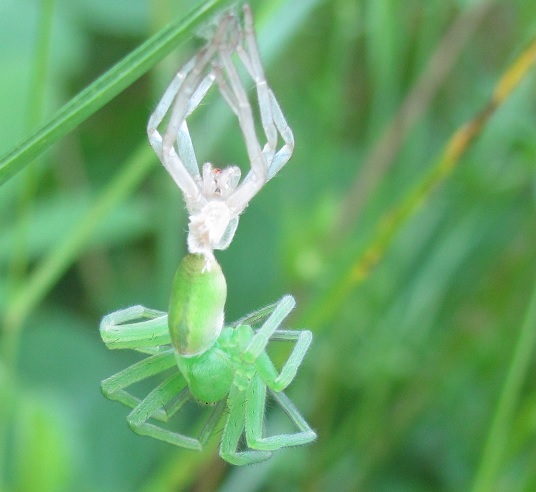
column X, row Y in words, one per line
column 224, row 366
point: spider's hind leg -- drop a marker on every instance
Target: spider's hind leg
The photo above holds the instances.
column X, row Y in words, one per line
column 255, row 406
column 233, row 430
column 172, row 388
column 278, row 382
column 114, row 386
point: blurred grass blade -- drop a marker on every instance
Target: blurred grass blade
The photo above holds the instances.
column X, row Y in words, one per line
column 395, row 219
column 42, row 446
column 19, row 259
column 105, row 88
column 490, row 464
column 417, row 100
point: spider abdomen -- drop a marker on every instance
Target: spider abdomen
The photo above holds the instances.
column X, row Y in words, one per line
column 196, row 305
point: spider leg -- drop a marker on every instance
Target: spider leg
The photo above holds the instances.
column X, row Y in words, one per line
column 272, row 118
column 192, row 81
column 255, row 406
column 254, row 67
column 173, row 387
column 254, row 353
column 260, row 339
column 114, row 386
column 212, row 422
column 183, row 96
column 185, row 150
column 163, row 106
column 152, row 404
column 137, row 328
column 235, row 95
column 256, row 316
column 233, row 431
column 266, row 369
column 282, row 156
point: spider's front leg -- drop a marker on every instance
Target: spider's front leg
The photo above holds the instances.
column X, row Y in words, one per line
column 255, row 409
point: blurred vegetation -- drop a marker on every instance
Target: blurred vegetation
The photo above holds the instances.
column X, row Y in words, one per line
column 421, row 374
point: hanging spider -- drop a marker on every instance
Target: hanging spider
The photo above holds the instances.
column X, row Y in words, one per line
column 229, row 369
column 222, row 365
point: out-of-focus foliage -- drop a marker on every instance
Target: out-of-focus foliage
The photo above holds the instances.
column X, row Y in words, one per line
column 404, row 376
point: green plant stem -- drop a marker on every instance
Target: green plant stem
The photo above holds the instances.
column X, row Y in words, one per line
column 497, row 439
column 416, row 102
column 36, row 99
column 106, row 87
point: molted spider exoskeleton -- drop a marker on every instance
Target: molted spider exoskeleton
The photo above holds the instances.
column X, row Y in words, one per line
column 216, row 197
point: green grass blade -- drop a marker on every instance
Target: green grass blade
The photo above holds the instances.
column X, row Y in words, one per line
column 494, row 448
column 105, row 88
column 19, row 261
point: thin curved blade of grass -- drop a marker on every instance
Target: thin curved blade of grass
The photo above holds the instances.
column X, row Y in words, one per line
column 395, row 219
column 105, row 88
column 497, row 440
